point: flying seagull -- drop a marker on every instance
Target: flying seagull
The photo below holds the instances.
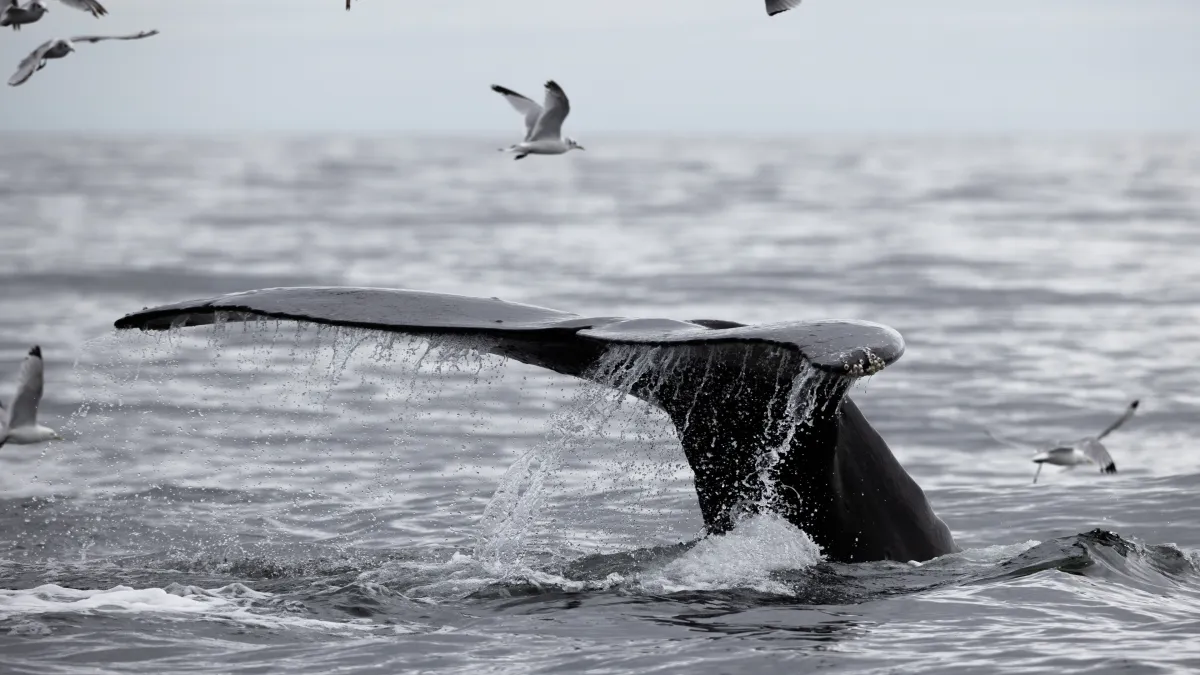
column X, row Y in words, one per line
column 779, row 6
column 543, row 127
column 1086, row 450
column 19, row 425
column 57, row 49
column 16, row 15
column 97, row 10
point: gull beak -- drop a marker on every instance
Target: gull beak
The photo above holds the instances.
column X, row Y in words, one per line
column 58, row 438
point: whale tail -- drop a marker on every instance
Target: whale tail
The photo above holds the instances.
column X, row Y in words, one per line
column 760, row 411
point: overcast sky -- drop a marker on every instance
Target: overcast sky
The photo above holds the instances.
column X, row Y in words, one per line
column 658, row 66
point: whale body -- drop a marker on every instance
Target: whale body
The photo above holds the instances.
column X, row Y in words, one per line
column 760, row 410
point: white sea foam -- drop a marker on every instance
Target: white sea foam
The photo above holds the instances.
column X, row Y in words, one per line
column 234, row 603
column 745, row 557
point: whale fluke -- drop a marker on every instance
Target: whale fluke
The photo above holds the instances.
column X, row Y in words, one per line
column 760, row 410
column 849, row 347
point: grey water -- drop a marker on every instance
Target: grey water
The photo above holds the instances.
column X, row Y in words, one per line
column 274, row 498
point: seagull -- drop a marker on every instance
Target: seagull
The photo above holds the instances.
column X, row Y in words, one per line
column 1084, row 451
column 20, row 425
column 780, row 6
column 543, row 128
column 92, row 6
column 16, row 15
column 57, row 49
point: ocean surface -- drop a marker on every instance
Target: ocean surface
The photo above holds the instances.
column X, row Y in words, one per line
column 284, row 499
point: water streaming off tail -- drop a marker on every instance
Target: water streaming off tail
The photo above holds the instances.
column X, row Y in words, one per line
column 280, row 407
column 285, row 407
column 611, row 443
column 810, row 392
column 648, row 461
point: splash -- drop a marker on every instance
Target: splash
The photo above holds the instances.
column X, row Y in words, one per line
column 606, row 454
column 756, row 555
column 608, row 401
column 515, row 509
column 323, row 392
column 746, row 557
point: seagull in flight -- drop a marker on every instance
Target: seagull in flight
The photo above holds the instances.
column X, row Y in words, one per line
column 780, row 6
column 16, row 15
column 543, row 126
column 57, row 49
column 19, row 425
column 97, row 10
column 1086, row 450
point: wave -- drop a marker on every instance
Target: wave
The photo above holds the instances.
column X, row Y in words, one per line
column 763, row 561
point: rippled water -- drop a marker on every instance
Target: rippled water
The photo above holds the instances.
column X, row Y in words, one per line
column 300, row 500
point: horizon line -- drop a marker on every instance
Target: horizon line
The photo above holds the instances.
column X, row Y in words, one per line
column 675, row 135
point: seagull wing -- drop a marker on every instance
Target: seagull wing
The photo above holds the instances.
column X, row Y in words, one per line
column 778, row 6
column 1128, row 415
column 1011, row 442
column 549, row 125
column 101, row 38
column 97, row 10
column 29, row 64
column 1059, row 455
column 1099, row 454
column 29, row 391
column 527, row 107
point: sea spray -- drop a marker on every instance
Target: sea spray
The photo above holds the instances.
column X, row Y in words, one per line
column 162, row 401
column 294, row 368
column 748, row 556
column 514, row 510
column 808, row 387
column 653, row 373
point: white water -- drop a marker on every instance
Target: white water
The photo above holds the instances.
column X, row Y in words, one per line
column 233, row 603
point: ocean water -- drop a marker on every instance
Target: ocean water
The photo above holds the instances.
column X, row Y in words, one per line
column 291, row 500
